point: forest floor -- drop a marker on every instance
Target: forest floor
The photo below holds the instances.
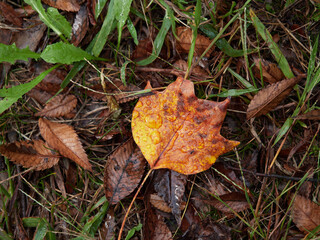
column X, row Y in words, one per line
column 110, row 103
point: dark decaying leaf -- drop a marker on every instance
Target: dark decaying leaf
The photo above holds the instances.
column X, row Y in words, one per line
column 39, row 95
column 108, row 227
column 312, row 115
column 51, row 82
column 170, row 186
column 66, row 5
column 8, row 13
column 155, row 227
column 270, row 97
column 184, row 42
column 269, row 71
column 63, row 138
column 305, row 214
column 207, row 230
column 30, row 154
column 59, row 106
column 80, row 26
column 123, row 171
column 230, row 202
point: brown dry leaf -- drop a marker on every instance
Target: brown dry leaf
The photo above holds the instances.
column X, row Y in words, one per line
column 154, row 226
column 197, row 70
column 270, row 71
column 231, row 202
column 63, row 138
column 185, row 38
column 159, row 203
column 59, row 106
column 30, row 154
column 66, row 5
column 270, row 97
column 176, row 130
column 305, row 214
column 123, row 171
column 312, row 115
column 9, row 14
column 39, row 95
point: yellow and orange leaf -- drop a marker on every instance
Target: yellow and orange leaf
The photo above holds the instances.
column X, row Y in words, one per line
column 176, row 130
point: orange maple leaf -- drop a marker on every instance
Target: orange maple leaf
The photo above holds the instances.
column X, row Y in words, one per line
column 176, row 130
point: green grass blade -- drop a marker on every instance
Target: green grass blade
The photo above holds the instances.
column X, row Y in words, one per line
column 122, row 9
column 101, row 38
column 234, row 92
column 41, row 230
column 241, row 79
column 64, row 53
column 99, row 6
column 60, row 22
column 263, row 32
column 11, row 53
column 59, row 27
column 132, row 31
column 132, row 231
column 222, row 43
column 11, row 95
column 158, row 42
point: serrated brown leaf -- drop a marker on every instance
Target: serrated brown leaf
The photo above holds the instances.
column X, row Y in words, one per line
column 312, row 115
column 305, row 214
column 270, row 97
column 66, row 5
column 185, row 38
column 270, row 71
column 154, row 227
column 59, row 106
column 30, row 154
column 123, row 171
column 63, row 138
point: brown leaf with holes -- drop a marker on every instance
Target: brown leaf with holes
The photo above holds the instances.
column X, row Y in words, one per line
column 269, row 71
column 184, row 42
column 59, row 106
column 63, row 138
column 176, row 130
column 30, row 154
column 123, row 171
column 305, row 214
column 270, row 97
column 65, row 5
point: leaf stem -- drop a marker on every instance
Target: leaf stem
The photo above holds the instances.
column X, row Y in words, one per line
column 131, row 204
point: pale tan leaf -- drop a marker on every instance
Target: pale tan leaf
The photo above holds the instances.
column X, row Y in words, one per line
column 59, row 106
column 305, row 214
column 270, row 97
column 159, row 203
column 312, row 115
column 185, row 38
column 30, row 154
column 123, row 171
column 270, row 71
column 63, row 138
